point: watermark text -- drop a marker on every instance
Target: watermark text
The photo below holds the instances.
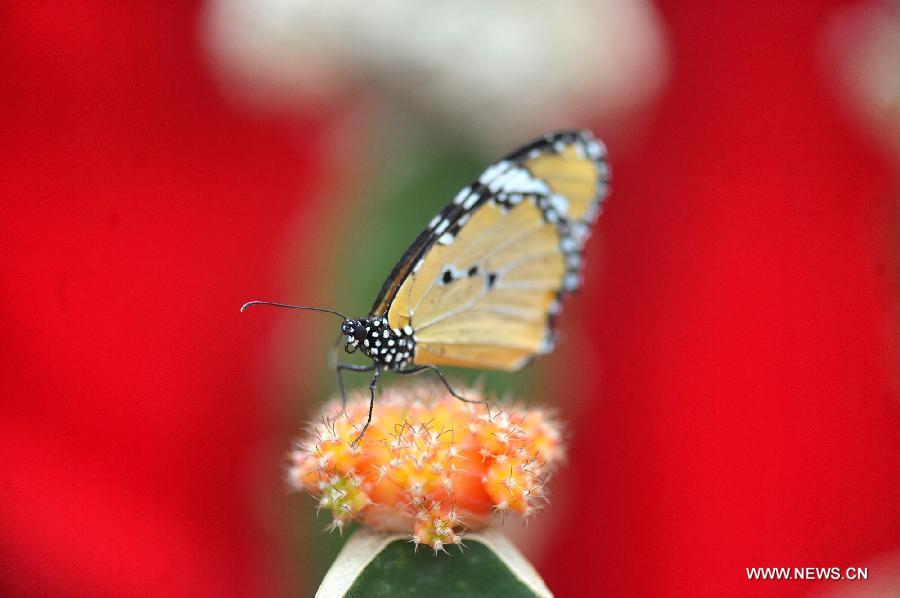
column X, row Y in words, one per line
column 808, row 573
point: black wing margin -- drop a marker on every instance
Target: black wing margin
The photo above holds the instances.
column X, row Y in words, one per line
column 490, row 185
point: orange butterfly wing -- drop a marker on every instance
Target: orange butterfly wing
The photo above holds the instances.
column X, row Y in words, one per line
column 481, row 285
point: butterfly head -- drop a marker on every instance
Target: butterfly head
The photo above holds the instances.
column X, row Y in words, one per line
column 355, row 331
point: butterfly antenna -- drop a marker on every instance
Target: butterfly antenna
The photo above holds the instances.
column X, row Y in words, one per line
column 250, row 304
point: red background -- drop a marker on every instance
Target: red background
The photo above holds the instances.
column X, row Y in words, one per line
column 742, row 405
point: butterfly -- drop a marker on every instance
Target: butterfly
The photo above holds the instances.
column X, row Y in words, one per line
column 481, row 286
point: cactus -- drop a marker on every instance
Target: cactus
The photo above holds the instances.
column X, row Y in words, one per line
column 429, row 465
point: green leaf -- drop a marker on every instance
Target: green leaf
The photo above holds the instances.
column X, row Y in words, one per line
column 378, row 565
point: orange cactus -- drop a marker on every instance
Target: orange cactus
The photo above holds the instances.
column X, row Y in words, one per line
column 429, row 463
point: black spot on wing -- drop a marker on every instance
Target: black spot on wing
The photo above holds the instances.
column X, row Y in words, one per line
column 453, row 214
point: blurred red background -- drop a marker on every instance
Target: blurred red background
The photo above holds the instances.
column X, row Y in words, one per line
column 742, row 408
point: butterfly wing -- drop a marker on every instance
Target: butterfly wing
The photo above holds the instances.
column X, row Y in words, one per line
column 481, row 285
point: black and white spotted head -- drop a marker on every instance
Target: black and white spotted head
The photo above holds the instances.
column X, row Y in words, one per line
column 389, row 348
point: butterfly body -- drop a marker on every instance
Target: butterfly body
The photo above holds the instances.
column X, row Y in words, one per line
column 388, row 348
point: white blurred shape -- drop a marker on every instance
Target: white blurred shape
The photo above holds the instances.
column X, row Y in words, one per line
column 495, row 69
column 863, row 52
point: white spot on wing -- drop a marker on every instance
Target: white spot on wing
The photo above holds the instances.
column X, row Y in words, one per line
column 559, row 203
column 592, row 212
column 603, row 168
column 580, row 232
column 498, row 181
column 595, row 149
column 517, row 180
column 445, row 239
column 547, row 343
column 492, row 171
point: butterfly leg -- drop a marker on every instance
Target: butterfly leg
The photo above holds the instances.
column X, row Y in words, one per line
column 339, row 369
column 440, row 375
column 372, row 385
